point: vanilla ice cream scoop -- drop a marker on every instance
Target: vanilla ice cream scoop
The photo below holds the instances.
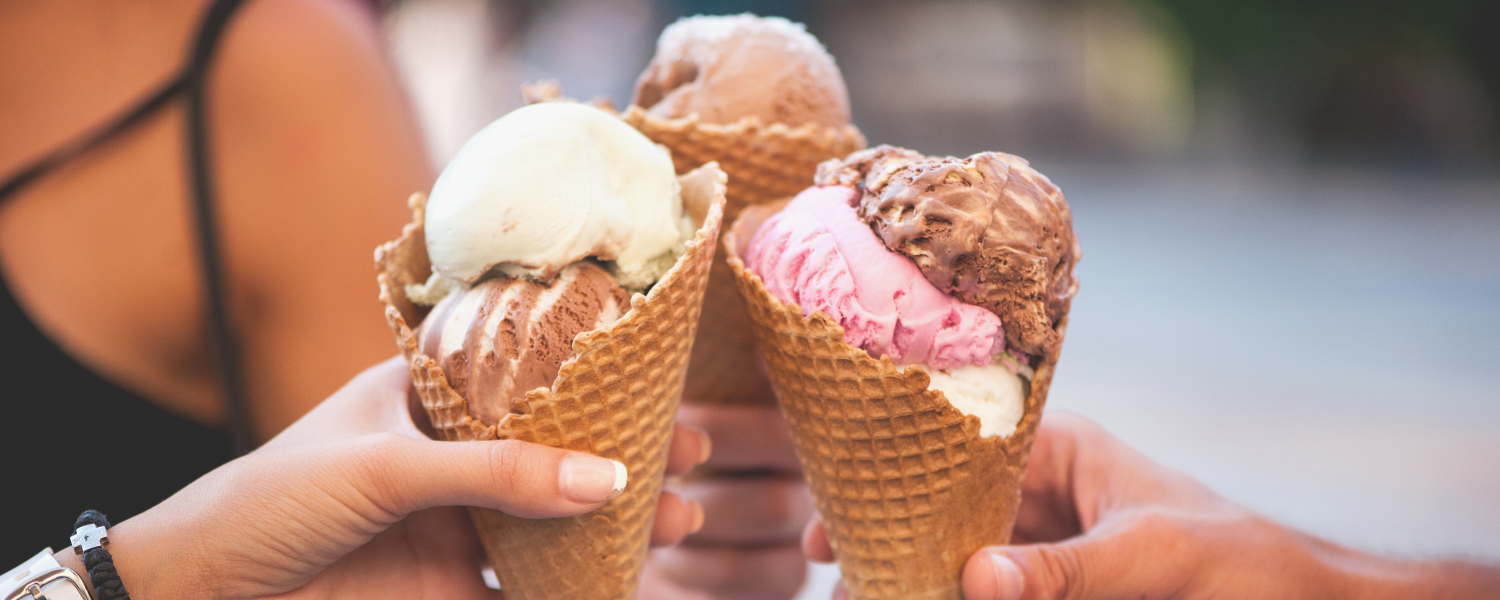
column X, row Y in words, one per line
column 550, row 184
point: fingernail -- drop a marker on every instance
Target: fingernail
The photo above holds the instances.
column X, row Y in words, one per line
column 697, row 510
column 1008, row 579
column 705, row 447
column 839, row 593
column 589, row 479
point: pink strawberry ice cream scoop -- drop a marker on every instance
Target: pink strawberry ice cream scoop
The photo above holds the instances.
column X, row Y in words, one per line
column 818, row 253
column 987, row 229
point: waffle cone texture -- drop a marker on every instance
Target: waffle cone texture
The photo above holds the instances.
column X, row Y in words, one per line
column 617, row 398
column 905, row 485
column 765, row 163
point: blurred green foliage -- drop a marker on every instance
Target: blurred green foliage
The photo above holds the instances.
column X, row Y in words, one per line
column 1402, row 78
column 1231, row 35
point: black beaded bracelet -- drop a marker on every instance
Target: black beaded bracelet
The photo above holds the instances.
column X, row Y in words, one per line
column 100, row 564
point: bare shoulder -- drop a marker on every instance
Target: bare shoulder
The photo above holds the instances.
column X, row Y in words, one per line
column 317, row 150
column 302, row 40
column 308, row 115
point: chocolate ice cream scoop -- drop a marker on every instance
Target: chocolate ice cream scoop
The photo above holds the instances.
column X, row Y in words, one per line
column 725, row 68
column 987, row 229
column 504, row 337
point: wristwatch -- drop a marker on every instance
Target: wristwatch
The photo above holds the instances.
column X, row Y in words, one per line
column 41, row 578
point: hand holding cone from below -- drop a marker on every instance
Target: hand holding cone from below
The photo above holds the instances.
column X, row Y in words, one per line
column 615, row 397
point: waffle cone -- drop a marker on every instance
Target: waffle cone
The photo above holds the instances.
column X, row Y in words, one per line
column 617, row 398
column 906, row 487
column 765, row 163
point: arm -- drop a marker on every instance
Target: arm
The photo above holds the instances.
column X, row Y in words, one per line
column 352, row 501
column 1100, row 520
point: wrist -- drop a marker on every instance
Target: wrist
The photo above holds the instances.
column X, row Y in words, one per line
column 1374, row 577
column 127, row 554
column 133, row 560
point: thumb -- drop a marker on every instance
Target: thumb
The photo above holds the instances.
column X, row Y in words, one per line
column 517, row 478
column 1097, row 565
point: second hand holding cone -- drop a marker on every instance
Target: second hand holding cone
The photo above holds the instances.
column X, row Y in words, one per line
column 538, row 342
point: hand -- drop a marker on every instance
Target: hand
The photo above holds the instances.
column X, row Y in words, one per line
column 354, row 501
column 756, row 504
column 1099, row 520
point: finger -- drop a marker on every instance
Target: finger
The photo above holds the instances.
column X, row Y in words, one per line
column 840, row 592
column 1079, row 473
column 815, row 542
column 750, row 510
column 745, row 437
column 675, row 519
column 690, row 448
column 1112, row 561
column 1047, row 511
column 731, row 572
column 526, row 480
column 656, row 585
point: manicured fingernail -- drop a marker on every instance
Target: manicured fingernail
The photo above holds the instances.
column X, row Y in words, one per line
column 589, row 479
column 697, row 510
column 839, row 593
column 705, row 447
column 1008, row 578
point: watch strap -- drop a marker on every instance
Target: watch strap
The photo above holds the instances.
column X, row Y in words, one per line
column 42, row 577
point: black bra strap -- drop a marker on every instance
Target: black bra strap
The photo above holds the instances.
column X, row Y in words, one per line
column 226, row 347
column 190, row 83
column 93, row 138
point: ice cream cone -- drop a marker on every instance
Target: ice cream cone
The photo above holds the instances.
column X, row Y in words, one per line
column 617, row 398
column 906, row 487
column 765, row 163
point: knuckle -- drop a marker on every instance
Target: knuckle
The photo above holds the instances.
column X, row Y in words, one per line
column 1159, row 523
column 1071, row 425
column 375, row 455
column 1063, row 574
column 1172, row 532
column 374, row 461
column 1168, row 528
column 508, row 464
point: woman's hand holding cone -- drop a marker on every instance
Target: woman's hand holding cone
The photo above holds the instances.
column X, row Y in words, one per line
column 354, row 501
column 1099, row 520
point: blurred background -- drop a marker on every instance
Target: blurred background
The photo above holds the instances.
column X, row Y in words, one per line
column 1289, row 212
